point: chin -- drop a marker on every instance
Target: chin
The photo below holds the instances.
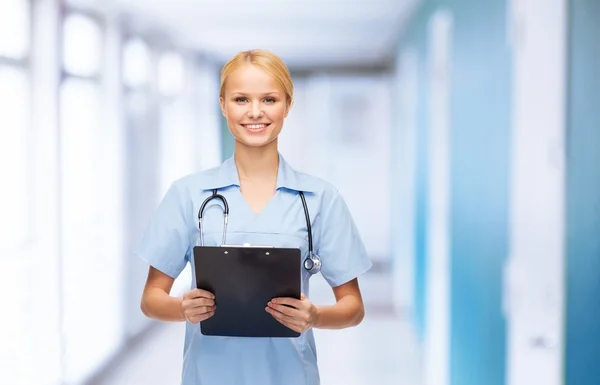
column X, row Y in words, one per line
column 254, row 142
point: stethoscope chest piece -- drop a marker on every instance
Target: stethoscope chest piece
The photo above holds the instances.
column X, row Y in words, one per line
column 312, row 263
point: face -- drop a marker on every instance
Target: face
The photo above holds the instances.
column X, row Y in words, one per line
column 254, row 105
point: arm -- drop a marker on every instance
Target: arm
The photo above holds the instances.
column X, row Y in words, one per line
column 157, row 303
column 195, row 306
column 348, row 310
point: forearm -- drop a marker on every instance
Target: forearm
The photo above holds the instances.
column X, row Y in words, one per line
column 159, row 305
column 347, row 312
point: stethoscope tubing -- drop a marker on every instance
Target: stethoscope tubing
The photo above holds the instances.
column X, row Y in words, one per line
column 313, row 266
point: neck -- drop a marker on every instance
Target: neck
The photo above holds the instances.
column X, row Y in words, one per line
column 256, row 162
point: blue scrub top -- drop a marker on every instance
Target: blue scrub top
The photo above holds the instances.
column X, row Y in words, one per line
column 173, row 232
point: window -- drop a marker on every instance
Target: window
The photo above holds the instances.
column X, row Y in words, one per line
column 79, row 116
column 82, row 50
column 15, row 172
column 171, row 74
column 136, row 63
column 14, row 28
column 88, row 231
column 176, row 132
column 14, row 161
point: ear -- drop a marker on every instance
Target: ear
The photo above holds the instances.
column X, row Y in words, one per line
column 222, row 103
column 287, row 109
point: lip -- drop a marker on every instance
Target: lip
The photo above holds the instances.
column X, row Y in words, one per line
column 253, row 130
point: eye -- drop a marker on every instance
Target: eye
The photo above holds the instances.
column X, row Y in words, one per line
column 240, row 99
column 270, row 100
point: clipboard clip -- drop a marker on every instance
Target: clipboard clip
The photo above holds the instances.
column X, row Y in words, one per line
column 247, row 245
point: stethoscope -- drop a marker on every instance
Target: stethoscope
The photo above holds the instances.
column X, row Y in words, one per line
column 312, row 263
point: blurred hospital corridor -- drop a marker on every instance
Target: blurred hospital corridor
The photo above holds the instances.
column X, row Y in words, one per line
column 463, row 136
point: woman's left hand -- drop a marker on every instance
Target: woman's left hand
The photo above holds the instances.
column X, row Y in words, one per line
column 301, row 316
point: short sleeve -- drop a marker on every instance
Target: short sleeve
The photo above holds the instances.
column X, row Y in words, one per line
column 342, row 251
column 166, row 240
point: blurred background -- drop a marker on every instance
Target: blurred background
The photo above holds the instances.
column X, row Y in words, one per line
column 463, row 134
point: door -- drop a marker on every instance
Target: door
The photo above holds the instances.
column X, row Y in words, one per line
column 534, row 275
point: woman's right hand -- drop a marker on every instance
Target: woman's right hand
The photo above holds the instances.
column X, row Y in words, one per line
column 198, row 305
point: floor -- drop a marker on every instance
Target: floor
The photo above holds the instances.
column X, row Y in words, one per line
column 382, row 350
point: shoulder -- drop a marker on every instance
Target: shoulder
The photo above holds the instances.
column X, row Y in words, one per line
column 196, row 182
column 314, row 184
column 324, row 191
column 310, row 184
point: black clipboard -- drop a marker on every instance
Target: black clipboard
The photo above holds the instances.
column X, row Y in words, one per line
column 244, row 279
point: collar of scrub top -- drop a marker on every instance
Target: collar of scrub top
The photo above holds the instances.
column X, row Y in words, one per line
column 287, row 178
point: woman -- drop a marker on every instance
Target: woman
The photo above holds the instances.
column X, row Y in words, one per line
column 263, row 194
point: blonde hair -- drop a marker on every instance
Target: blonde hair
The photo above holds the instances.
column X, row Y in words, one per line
column 268, row 62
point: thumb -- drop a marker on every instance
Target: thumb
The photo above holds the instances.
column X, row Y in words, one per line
column 302, row 297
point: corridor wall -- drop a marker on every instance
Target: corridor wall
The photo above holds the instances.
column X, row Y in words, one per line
column 479, row 130
column 583, row 199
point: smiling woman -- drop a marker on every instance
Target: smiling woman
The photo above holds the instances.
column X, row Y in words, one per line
column 266, row 198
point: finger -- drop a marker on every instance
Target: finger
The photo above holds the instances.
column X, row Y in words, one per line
column 290, row 311
column 201, row 302
column 205, row 293
column 200, row 318
column 206, row 316
column 192, row 305
column 199, row 293
column 284, row 317
column 287, row 301
column 289, row 322
column 289, row 325
column 201, row 310
column 302, row 297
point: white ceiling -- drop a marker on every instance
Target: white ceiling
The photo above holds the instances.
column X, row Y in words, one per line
column 305, row 33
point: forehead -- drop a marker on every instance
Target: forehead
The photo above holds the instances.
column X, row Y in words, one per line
column 250, row 78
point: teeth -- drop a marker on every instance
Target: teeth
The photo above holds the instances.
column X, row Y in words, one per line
column 256, row 126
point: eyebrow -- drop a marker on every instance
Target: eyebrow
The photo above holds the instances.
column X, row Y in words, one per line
column 264, row 94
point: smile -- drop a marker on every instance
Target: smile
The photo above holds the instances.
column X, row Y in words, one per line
column 256, row 126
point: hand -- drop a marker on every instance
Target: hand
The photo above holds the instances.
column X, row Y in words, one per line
column 301, row 316
column 198, row 305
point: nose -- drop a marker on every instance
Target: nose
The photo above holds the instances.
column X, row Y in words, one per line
column 255, row 111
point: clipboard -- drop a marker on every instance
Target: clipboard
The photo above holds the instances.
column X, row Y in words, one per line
column 244, row 279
